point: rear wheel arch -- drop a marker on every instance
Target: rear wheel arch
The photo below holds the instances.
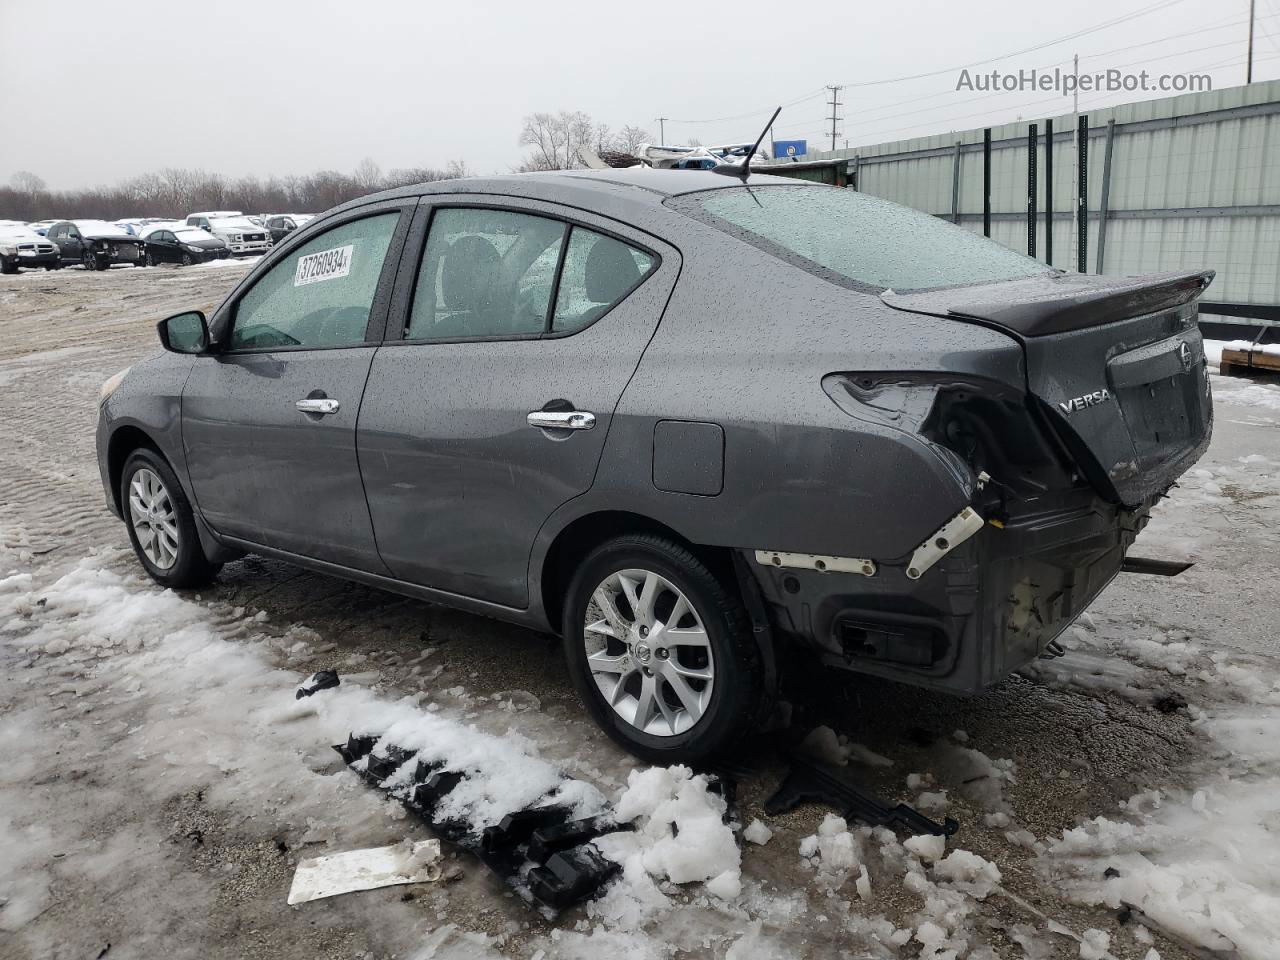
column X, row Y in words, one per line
column 583, row 534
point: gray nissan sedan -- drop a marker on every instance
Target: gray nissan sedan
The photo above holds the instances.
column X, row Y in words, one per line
column 696, row 426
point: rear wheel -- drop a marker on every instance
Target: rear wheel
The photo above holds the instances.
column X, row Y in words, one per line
column 660, row 651
column 161, row 524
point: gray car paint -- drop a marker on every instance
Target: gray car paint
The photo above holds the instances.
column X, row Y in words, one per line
column 744, row 343
column 458, row 483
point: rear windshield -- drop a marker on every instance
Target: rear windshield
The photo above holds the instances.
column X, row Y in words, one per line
column 844, row 235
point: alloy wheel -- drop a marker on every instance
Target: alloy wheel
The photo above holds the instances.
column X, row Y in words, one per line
column 155, row 523
column 648, row 652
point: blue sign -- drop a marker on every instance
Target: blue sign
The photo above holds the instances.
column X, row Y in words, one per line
column 789, row 148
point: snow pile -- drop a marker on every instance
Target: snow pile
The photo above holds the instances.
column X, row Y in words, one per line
column 680, row 831
column 836, row 853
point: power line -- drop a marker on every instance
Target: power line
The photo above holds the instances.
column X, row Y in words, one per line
column 1141, row 12
column 1161, row 5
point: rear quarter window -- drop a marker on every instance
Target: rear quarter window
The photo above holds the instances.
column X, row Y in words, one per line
column 856, row 239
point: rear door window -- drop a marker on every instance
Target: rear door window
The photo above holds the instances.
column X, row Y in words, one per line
column 598, row 272
column 496, row 274
column 485, row 273
column 321, row 294
column 856, row 239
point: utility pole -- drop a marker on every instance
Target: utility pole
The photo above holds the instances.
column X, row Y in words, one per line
column 834, row 102
column 662, row 130
column 1248, row 70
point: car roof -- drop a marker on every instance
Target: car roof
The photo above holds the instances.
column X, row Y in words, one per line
column 632, row 195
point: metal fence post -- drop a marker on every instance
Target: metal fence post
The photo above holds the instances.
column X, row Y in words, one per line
column 1048, row 192
column 955, row 185
column 986, row 182
column 1032, row 137
column 1105, row 201
column 1082, row 212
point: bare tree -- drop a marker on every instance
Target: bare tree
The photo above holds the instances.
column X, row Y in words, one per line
column 368, row 174
column 630, row 137
column 24, row 181
column 555, row 139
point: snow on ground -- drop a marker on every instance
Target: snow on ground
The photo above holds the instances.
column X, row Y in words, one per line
column 1199, row 861
column 120, row 696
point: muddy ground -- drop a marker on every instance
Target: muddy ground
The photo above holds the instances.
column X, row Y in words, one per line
column 1078, row 747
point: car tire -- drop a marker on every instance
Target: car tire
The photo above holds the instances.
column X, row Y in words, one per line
column 161, row 525
column 148, row 260
column 88, row 260
column 658, row 685
column 7, row 267
column 186, row 260
column 56, row 265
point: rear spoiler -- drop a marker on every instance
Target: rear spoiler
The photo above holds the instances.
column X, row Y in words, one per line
column 1051, row 303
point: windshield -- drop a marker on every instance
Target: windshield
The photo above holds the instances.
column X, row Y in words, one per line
column 844, row 235
column 100, row 228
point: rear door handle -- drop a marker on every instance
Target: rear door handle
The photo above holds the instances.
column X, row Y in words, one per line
column 562, row 419
column 320, row 405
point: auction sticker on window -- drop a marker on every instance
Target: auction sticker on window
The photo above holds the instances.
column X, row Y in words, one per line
column 325, row 265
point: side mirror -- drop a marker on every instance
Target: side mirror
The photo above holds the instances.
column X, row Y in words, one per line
column 184, row 332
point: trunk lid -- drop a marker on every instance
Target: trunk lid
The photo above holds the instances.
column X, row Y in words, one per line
column 1115, row 364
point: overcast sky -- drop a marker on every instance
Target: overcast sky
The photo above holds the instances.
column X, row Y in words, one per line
column 97, row 92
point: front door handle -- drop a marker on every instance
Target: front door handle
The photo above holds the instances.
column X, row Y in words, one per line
column 320, row 405
column 562, row 419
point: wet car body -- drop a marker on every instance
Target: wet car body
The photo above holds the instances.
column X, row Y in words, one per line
column 183, row 245
column 927, row 485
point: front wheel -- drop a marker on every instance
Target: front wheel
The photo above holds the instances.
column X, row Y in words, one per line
column 660, row 651
column 162, row 527
column 186, row 260
column 149, row 260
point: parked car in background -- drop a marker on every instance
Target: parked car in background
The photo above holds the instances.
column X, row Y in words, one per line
column 20, row 246
column 182, row 244
column 42, row 226
column 95, row 244
column 570, row 403
column 243, row 237
column 282, row 224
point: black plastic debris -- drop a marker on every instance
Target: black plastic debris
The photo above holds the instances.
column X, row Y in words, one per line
column 541, row 853
column 356, row 748
column 809, row 781
column 322, row 680
column 547, row 841
column 381, row 766
column 572, row 876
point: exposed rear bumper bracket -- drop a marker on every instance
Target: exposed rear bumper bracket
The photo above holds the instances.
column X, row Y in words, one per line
column 814, row 561
column 953, row 533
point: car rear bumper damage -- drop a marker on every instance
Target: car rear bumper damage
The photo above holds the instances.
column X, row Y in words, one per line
column 984, row 606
